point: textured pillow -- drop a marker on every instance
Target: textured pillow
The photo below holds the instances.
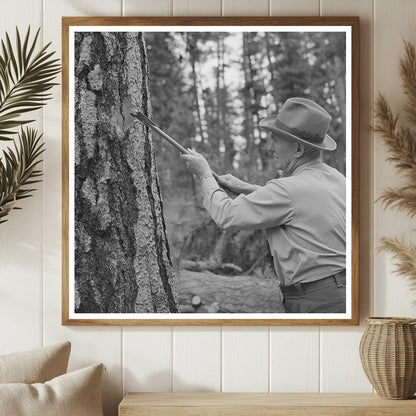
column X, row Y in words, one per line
column 73, row 394
column 35, row 366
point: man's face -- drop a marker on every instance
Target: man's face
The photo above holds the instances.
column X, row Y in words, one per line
column 282, row 150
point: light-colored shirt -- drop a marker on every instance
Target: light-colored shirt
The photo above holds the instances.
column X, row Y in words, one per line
column 304, row 217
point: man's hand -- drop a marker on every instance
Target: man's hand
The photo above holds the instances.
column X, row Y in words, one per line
column 197, row 164
column 236, row 185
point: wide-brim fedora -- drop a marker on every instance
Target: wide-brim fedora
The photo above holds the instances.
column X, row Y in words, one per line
column 302, row 120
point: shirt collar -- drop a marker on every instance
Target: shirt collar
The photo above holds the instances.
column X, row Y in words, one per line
column 299, row 167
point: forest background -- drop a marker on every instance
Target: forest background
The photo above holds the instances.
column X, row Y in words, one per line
column 209, row 90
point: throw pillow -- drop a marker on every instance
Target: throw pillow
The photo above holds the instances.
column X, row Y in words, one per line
column 35, row 366
column 73, row 394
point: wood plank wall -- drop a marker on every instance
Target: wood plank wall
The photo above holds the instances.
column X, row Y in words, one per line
column 260, row 359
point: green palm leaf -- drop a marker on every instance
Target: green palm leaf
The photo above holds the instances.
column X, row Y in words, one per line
column 19, row 168
column 25, row 79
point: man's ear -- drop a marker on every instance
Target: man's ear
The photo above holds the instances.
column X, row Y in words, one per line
column 300, row 149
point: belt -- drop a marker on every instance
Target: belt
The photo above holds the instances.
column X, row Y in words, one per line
column 301, row 289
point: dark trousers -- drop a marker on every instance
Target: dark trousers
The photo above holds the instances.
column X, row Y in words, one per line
column 326, row 295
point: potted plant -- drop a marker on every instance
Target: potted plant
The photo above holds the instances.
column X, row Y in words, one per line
column 388, row 345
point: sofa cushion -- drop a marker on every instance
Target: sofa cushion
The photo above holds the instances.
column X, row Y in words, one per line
column 35, row 366
column 73, row 394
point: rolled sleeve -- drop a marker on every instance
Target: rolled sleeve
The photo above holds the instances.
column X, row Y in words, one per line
column 268, row 206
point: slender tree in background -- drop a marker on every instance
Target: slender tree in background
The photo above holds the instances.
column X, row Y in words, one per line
column 122, row 255
column 255, row 84
column 192, row 48
column 226, row 144
column 247, row 95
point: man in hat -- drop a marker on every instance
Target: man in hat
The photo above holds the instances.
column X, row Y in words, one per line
column 303, row 212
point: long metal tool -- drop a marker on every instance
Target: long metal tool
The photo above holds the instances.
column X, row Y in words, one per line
column 145, row 120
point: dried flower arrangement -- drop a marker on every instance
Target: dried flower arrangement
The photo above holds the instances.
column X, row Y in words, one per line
column 25, row 78
column 401, row 143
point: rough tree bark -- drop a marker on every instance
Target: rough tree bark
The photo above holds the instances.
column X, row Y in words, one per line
column 122, row 260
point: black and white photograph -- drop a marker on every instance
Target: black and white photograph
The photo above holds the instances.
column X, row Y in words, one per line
column 210, row 174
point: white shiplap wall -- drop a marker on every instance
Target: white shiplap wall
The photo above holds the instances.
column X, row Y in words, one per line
column 278, row 359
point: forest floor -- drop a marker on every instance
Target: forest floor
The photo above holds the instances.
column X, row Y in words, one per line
column 214, row 293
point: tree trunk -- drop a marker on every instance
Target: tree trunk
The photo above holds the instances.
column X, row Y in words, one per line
column 229, row 151
column 248, row 115
column 259, row 144
column 122, row 260
column 340, row 89
column 192, row 48
column 219, row 131
column 271, row 67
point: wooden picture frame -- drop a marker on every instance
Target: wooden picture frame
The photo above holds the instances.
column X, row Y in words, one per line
column 80, row 119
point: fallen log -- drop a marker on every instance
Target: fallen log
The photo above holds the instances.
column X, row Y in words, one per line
column 227, row 294
column 211, row 265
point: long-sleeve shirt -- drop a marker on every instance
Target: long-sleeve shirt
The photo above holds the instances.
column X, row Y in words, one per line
column 304, row 217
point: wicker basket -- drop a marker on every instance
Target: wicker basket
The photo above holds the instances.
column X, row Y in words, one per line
column 388, row 356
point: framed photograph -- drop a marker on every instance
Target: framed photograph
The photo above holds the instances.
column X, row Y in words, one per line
column 210, row 171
